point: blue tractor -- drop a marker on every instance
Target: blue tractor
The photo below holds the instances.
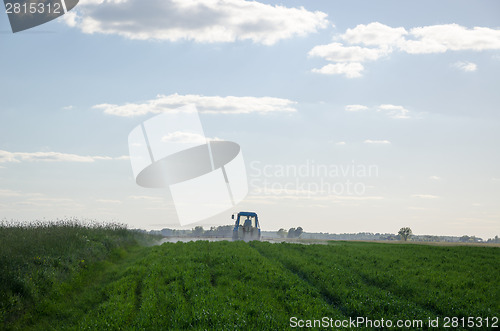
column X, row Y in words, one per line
column 246, row 226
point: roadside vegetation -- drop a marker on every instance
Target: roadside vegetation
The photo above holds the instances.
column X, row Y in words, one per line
column 36, row 257
column 234, row 285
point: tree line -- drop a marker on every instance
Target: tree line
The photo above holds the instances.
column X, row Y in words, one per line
column 405, row 234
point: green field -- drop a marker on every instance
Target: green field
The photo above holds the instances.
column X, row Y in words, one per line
column 236, row 285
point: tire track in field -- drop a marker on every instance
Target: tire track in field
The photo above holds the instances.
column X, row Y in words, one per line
column 374, row 283
column 335, row 302
column 370, row 282
column 138, row 293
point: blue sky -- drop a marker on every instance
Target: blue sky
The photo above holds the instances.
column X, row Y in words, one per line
column 409, row 88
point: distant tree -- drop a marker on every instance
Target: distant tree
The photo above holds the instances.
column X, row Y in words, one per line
column 291, row 233
column 465, row 239
column 198, row 231
column 405, row 233
column 469, row 239
column 224, row 230
column 298, row 232
column 495, row 240
column 281, row 233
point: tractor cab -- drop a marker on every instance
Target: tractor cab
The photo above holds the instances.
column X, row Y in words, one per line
column 246, row 226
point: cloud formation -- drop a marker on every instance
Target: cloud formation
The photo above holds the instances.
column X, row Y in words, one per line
column 204, row 104
column 350, row 70
column 394, row 111
column 373, row 41
column 355, row 107
column 465, row 66
column 377, row 142
column 451, row 37
column 9, row 193
column 391, row 111
column 336, row 52
column 17, row 157
column 374, row 34
column 205, row 21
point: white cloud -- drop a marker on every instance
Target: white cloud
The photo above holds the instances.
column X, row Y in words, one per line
column 425, row 196
column 453, row 37
column 435, row 177
column 206, row 21
column 394, row 111
column 355, row 107
column 426, row 39
column 9, row 193
column 7, row 157
column 350, row 70
column 336, row 52
column 204, row 104
column 70, row 107
column 389, row 110
column 16, row 157
column 340, row 143
column 384, row 40
column 70, row 18
column 374, row 34
column 465, row 66
column 377, row 142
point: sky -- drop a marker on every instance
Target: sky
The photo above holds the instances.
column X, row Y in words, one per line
column 352, row 116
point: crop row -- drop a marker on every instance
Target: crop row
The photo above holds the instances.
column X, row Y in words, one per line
column 397, row 281
column 258, row 285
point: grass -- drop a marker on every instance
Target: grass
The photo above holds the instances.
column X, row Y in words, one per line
column 400, row 281
column 235, row 285
column 35, row 257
